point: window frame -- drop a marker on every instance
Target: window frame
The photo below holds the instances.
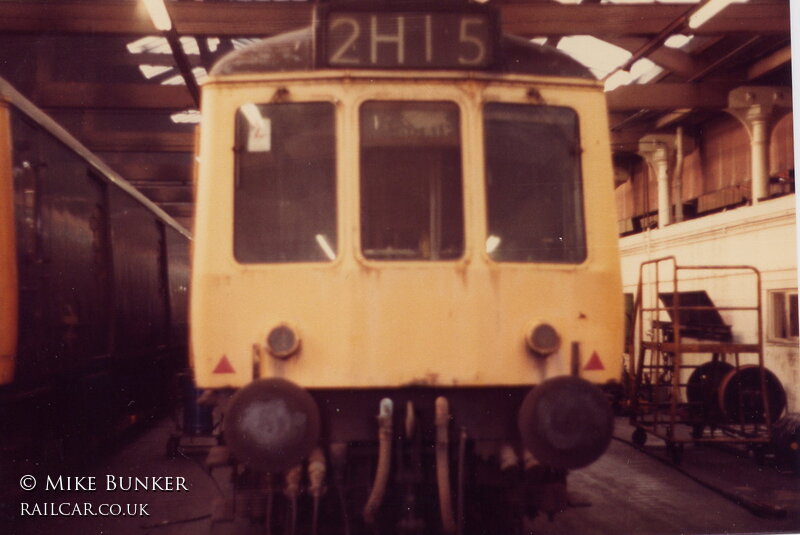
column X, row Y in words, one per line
column 581, row 183
column 773, row 329
column 338, row 248
column 462, row 116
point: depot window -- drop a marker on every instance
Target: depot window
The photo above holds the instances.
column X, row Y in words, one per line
column 285, row 191
column 533, row 184
column 411, row 193
column 783, row 318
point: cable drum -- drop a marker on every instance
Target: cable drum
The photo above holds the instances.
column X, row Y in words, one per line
column 740, row 398
column 702, row 391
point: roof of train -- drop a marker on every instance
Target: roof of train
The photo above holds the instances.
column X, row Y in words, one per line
column 294, row 51
column 11, row 95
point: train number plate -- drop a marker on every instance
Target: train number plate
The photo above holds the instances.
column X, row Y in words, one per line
column 408, row 40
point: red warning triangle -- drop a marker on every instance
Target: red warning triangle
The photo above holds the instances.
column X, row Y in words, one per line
column 594, row 363
column 224, row 366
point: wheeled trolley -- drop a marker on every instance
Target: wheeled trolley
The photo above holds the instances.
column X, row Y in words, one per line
column 699, row 366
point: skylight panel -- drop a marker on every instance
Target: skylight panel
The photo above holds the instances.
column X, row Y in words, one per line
column 200, row 74
column 599, row 56
column 151, row 71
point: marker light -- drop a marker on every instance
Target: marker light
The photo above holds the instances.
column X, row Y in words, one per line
column 282, row 341
column 543, row 339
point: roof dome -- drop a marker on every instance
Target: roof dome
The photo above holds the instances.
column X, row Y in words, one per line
column 293, row 51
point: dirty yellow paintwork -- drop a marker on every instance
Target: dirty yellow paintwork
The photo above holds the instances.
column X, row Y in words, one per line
column 380, row 324
column 8, row 258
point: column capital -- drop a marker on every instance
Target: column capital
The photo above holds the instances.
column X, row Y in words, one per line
column 752, row 104
column 657, row 147
column 756, row 107
column 749, row 95
column 654, row 147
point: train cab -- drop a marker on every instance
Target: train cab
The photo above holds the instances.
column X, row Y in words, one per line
column 399, row 206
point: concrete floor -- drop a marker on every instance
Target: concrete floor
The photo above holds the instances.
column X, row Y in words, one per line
column 145, row 456
column 625, row 492
column 634, row 493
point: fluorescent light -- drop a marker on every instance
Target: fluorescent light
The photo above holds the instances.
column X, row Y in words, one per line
column 492, row 243
column 158, row 14
column 325, row 246
column 707, row 11
column 677, row 41
column 186, row 117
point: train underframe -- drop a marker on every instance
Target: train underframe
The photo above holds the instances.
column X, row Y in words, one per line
column 415, row 460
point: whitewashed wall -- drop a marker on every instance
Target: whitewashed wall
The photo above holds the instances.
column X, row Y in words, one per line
column 763, row 236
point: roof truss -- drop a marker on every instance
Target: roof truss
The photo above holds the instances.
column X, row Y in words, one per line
column 520, row 17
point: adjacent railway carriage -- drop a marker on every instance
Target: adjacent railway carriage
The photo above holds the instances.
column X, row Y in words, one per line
column 93, row 295
column 402, row 212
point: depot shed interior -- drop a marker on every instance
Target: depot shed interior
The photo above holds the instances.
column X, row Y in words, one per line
column 700, row 112
column 129, row 92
